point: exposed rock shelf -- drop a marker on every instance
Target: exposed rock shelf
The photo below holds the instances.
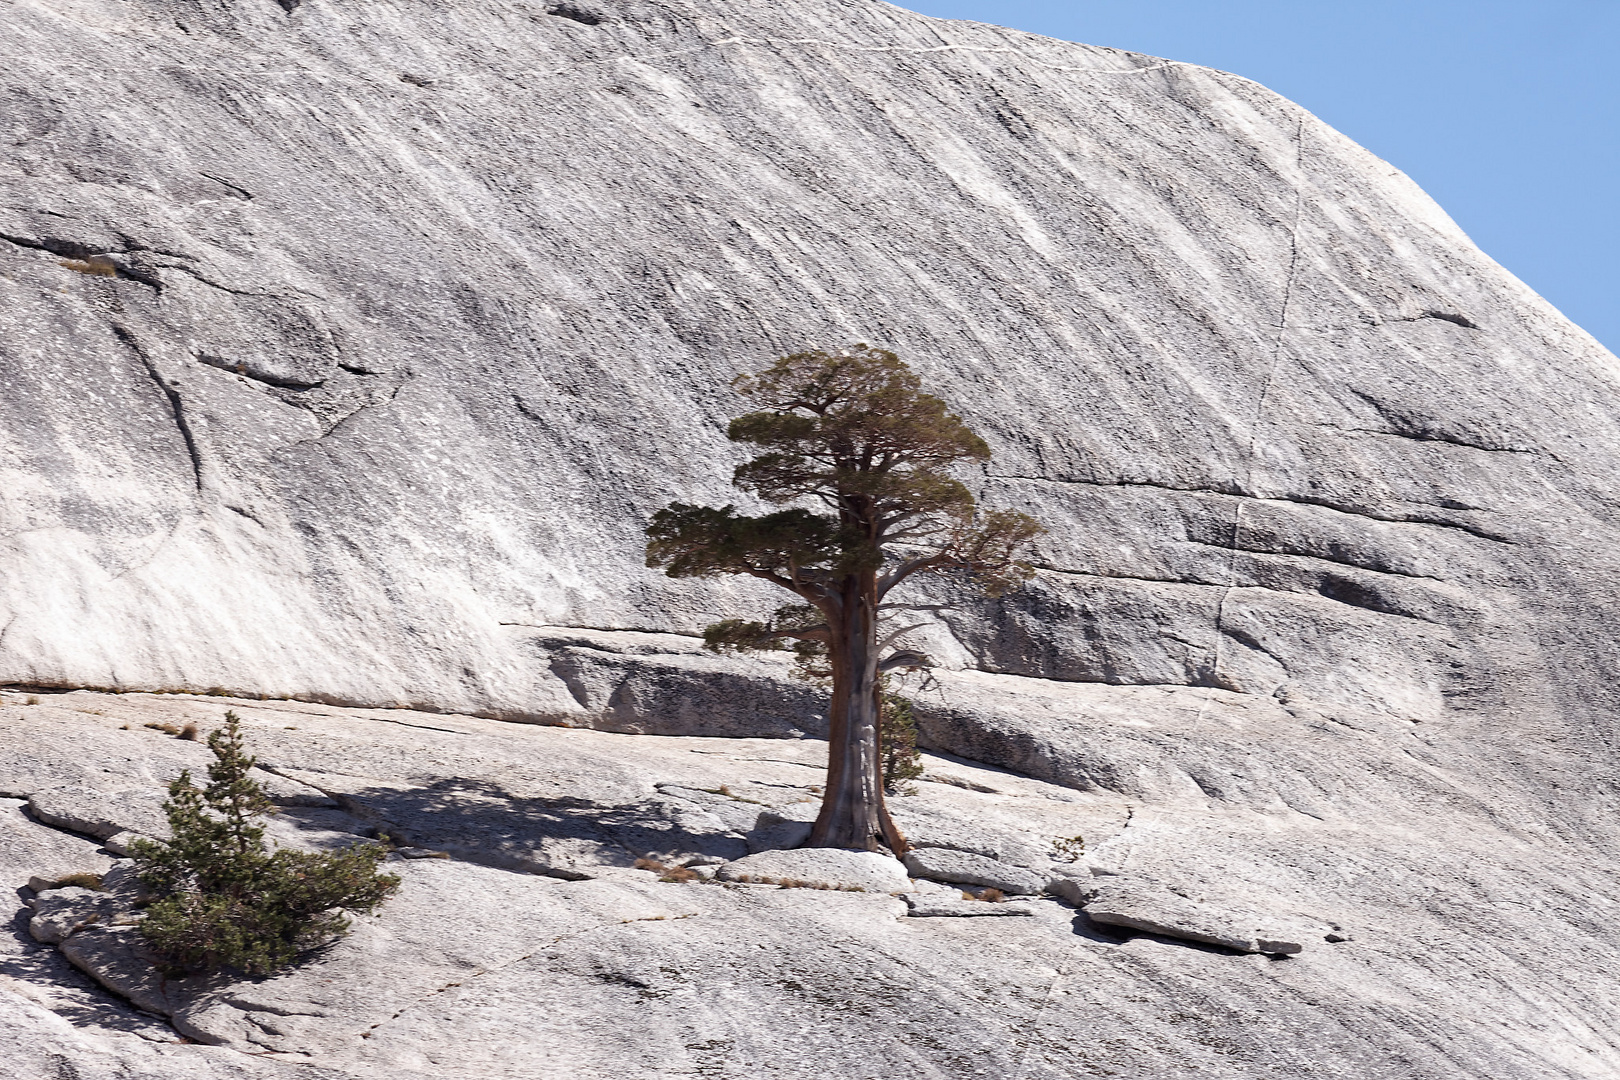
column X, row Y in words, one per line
column 349, row 346
column 537, row 949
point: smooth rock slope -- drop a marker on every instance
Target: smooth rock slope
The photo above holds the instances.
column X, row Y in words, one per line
column 419, row 310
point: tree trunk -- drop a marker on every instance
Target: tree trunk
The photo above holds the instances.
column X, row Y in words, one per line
column 852, row 811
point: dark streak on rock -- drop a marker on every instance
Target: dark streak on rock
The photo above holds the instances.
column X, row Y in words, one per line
column 176, row 404
column 575, row 13
column 241, row 192
column 1318, row 558
column 1446, row 316
column 224, row 363
column 1341, row 591
column 1297, row 500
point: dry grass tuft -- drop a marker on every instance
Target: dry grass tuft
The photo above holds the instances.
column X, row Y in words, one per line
column 725, row 789
column 989, row 896
column 81, row 881
column 188, row 733
column 799, row 883
column 665, row 872
column 94, row 265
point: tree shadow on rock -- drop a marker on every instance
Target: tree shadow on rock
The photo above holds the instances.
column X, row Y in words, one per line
column 478, row 822
column 71, row 994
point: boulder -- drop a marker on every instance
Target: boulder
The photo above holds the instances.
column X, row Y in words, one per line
column 934, row 907
column 967, row 868
column 828, row 868
column 101, row 812
column 1076, row 890
column 122, row 843
column 929, row 822
column 29, row 850
column 61, row 913
column 1148, row 906
column 783, row 827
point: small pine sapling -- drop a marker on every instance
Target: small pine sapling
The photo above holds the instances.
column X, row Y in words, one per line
column 224, row 899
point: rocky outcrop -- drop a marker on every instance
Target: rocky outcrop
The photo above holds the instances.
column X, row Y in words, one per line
column 820, row 868
column 968, row 868
column 1116, row 900
column 1417, row 930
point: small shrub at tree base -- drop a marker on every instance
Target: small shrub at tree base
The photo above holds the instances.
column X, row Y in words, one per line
column 897, row 740
column 225, row 900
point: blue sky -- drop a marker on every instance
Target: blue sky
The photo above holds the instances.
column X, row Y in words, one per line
column 1507, row 113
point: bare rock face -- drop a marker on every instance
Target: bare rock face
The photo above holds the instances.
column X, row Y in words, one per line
column 348, row 347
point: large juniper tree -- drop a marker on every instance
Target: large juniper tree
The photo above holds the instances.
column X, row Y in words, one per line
column 860, row 460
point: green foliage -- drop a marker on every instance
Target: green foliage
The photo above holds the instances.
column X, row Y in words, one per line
column 224, row 900
column 852, row 432
column 695, row 541
column 897, row 740
column 800, row 622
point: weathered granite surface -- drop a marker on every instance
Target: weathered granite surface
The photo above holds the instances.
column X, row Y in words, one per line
column 346, row 348
column 418, row 311
column 1439, row 942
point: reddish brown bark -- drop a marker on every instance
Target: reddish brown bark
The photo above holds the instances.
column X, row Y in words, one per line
column 853, row 814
